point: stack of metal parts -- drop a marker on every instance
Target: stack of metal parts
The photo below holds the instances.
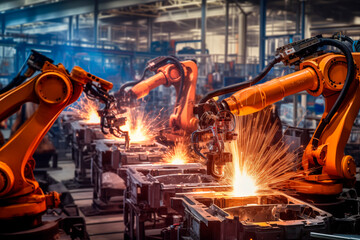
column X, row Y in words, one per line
column 268, row 215
column 149, row 188
column 111, row 154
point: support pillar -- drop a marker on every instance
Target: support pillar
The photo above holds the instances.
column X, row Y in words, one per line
column 226, row 36
column 77, row 33
column 262, row 34
column 242, row 36
column 3, row 26
column 96, row 20
column 109, row 33
column 295, row 115
column 298, row 18
column 202, row 69
column 302, row 19
column 150, row 33
column 203, row 26
column 304, row 105
column 70, row 28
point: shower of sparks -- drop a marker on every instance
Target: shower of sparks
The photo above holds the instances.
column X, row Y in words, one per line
column 87, row 110
column 259, row 163
column 140, row 125
column 136, row 126
column 178, row 155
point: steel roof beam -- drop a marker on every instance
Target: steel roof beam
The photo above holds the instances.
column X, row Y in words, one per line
column 63, row 9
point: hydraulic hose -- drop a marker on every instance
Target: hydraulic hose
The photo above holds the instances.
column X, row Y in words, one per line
column 239, row 86
column 343, row 37
column 349, row 78
column 132, row 83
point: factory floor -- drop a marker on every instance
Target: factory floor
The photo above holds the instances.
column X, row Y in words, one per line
column 110, row 226
column 104, row 227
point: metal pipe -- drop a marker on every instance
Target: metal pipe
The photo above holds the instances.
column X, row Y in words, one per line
column 226, row 36
column 262, row 34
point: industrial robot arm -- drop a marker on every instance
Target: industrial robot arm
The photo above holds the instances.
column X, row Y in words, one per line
column 53, row 89
column 168, row 75
column 331, row 75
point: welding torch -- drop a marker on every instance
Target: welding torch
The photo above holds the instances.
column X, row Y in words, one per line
column 111, row 120
column 216, row 126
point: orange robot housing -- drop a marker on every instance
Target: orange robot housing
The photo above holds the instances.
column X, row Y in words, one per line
column 21, row 200
column 321, row 75
column 182, row 117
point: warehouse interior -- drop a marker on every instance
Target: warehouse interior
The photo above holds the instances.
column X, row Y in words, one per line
column 179, row 119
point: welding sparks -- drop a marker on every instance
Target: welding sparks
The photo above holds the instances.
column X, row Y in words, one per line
column 137, row 128
column 258, row 162
column 178, row 155
column 87, row 110
column 140, row 126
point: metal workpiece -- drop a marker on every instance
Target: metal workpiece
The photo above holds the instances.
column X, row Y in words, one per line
column 83, row 135
column 150, row 187
column 109, row 156
column 147, row 183
column 268, row 215
column 114, row 154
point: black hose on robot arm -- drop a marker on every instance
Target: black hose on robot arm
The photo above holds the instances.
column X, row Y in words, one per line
column 239, row 86
column 300, row 51
column 153, row 65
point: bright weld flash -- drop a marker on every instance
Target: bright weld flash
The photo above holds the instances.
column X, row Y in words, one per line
column 244, row 184
column 178, row 155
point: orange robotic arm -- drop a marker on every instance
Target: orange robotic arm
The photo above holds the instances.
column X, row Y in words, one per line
column 53, row 89
column 322, row 75
column 183, row 116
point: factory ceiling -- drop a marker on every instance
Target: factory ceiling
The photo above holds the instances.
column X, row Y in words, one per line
column 42, row 16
